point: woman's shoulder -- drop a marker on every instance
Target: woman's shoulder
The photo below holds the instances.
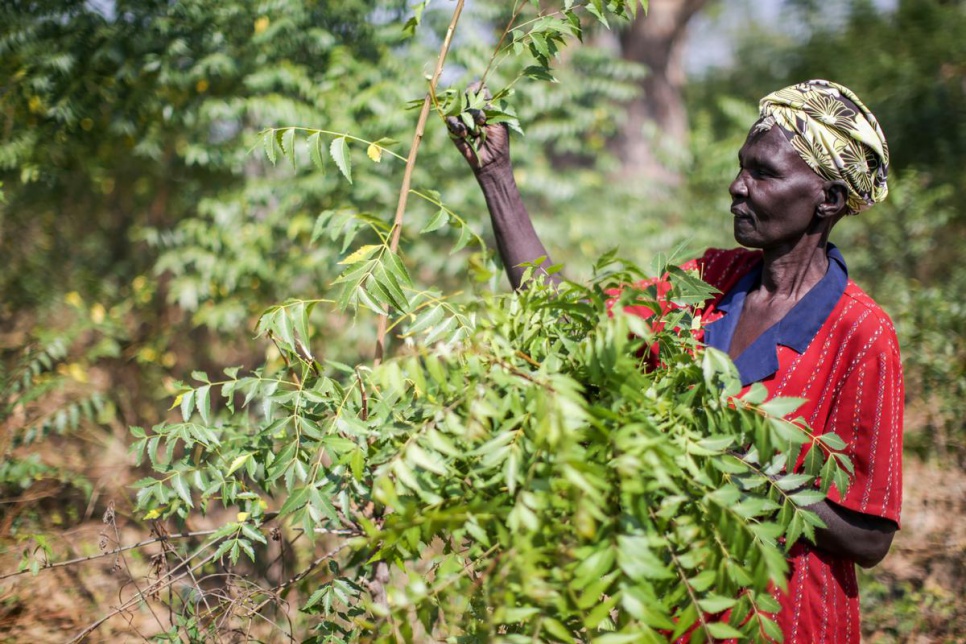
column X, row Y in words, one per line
column 859, row 318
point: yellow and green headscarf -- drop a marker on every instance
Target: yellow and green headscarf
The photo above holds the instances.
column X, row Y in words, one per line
column 836, row 135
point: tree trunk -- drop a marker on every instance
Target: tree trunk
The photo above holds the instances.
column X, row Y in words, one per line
column 657, row 40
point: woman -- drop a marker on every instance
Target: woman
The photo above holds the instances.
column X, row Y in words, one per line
column 789, row 317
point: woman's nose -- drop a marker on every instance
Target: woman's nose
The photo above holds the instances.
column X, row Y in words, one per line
column 738, row 187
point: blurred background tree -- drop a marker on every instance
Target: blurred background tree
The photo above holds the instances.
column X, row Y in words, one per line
column 140, row 237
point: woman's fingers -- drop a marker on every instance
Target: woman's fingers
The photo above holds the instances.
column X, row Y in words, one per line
column 456, row 127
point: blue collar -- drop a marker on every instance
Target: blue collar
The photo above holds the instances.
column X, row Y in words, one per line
column 794, row 331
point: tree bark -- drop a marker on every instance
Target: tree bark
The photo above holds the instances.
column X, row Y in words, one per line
column 657, row 40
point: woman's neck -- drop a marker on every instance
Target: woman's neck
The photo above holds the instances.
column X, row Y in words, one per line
column 790, row 273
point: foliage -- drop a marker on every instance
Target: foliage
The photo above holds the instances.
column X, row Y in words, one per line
column 45, row 393
column 128, row 177
column 514, row 466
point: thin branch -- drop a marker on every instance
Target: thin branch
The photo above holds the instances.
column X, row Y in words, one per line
column 273, row 592
column 518, row 7
column 111, row 553
column 162, row 582
column 684, row 578
column 411, row 164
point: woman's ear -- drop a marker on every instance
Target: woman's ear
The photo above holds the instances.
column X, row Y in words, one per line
column 836, row 196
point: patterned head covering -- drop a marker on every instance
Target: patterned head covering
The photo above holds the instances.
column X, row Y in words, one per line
column 836, row 135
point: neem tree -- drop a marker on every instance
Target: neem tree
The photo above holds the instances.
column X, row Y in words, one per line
column 509, row 471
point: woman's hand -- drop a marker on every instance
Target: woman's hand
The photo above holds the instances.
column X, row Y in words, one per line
column 486, row 147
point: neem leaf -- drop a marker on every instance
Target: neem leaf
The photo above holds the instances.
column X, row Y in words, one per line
column 268, row 141
column 288, row 145
column 721, row 630
column 832, row 441
column 361, row 254
column 315, row 153
column 339, row 149
column 437, row 222
column 374, row 152
column 781, row 407
column 716, row 603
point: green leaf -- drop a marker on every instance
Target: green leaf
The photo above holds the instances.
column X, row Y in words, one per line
column 268, row 142
column 807, row 497
column 389, row 287
column 771, row 628
column 285, row 329
column 756, row 394
column 427, row 319
column 795, row 528
column 180, row 486
column 314, row 142
column 539, row 73
column 716, row 603
column 703, row 580
column 594, row 567
column 465, row 236
column 510, row 469
column 721, row 630
column 557, row 629
column 238, row 462
column 339, row 149
column 397, row 269
column 596, row 9
column 790, row 482
column 782, row 407
column 832, row 441
column 361, row 254
column 438, row 221
column 203, row 403
column 288, row 145
column 296, row 499
column 787, row 431
column 187, row 405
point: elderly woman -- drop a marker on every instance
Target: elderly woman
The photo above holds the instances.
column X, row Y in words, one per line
column 789, row 317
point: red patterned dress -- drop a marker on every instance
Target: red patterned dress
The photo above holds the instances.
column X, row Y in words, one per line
column 837, row 349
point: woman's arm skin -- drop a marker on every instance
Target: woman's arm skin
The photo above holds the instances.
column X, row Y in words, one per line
column 516, row 238
column 863, row 538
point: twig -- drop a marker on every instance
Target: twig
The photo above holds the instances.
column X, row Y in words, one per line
column 162, row 581
column 411, row 164
column 273, row 592
column 288, row 365
column 109, row 517
column 684, row 578
column 518, row 7
column 111, row 553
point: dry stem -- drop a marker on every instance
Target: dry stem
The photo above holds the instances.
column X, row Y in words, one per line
column 411, row 164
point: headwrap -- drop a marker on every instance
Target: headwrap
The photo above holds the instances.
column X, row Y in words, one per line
column 836, row 135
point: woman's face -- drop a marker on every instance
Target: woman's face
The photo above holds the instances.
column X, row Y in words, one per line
column 775, row 195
